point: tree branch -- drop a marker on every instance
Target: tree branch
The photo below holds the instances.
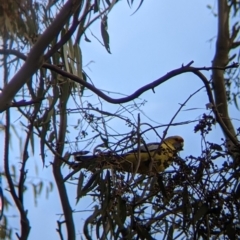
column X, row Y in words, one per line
column 35, row 58
column 221, row 58
column 184, row 69
column 66, row 36
column 25, row 227
column 57, row 163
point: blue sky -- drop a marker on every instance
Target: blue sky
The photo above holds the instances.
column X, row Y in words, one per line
column 158, row 38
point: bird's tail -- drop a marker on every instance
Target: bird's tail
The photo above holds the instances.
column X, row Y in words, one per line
column 124, row 162
column 102, row 160
column 82, row 158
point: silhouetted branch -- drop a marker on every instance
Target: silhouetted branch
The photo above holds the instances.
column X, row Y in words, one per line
column 67, row 35
column 57, row 163
column 152, row 85
column 35, row 57
column 59, row 229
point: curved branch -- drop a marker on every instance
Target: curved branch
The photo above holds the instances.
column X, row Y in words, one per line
column 137, row 93
column 57, row 163
column 152, row 85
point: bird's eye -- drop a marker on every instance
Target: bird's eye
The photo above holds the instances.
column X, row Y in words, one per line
column 179, row 139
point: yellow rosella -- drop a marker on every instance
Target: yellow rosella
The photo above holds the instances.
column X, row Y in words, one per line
column 153, row 157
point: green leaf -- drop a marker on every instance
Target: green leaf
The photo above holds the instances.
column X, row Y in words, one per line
column 143, row 233
column 105, row 187
column 85, row 79
column 45, row 128
column 32, row 142
column 104, row 33
column 231, row 231
column 96, row 7
column 108, row 2
column 86, row 38
column 4, row 229
column 162, row 188
column 67, row 155
column 112, row 5
column 91, row 184
column 89, row 220
column 78, row 59
column 200, row 212
column 185, row 203
column 98, row 228
column 65, row 57
column 36, row 169
column 235, row 100
column 35, row 193
column 237, row 192
column 70, row 50
column 72, row 63
column 170, row 232
column 40, row 187
column 79, row 186
column 166, row 228
column 215, row 146
column 140, row 4
column 51, row 137
column 105, row 141
column 122, row 209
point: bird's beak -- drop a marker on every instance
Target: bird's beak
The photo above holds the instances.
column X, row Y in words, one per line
column 179, row 146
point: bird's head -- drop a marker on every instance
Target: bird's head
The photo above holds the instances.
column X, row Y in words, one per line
column 176, row 141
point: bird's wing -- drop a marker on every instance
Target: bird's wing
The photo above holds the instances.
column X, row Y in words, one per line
column 147, row 147
column 152, row 157
column 157, row 158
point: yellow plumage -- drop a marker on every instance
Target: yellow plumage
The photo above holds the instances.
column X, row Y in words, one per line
column 154, row 157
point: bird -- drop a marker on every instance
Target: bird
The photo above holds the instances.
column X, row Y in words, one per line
column 151, row 157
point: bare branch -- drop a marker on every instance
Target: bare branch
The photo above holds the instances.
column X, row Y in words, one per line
column 35, row 58
column 152, row 85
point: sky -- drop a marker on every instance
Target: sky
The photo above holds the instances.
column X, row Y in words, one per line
column 161, row 36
